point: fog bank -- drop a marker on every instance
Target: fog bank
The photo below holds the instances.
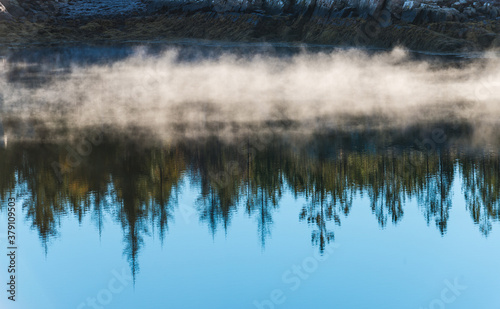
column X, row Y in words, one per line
column 346, row 88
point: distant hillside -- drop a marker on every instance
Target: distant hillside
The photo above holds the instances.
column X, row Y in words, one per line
column 427, row 25
column 417, row 11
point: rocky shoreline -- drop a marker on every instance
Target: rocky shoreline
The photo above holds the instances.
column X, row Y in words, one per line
column 442, row 26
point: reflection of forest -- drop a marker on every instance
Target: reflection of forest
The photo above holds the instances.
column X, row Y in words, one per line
column 137, row 183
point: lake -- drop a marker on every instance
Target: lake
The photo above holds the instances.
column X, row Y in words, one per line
column 216, row 175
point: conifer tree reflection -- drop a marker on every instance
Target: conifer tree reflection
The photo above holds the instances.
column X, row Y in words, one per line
column 264, row 184
column 166, row 169
column 136, row 184
column 386, row 188
column 481, row 187
column 435, row 198
column 219, row 178
column 44, row 197
column 129, row 184
column 327, row 189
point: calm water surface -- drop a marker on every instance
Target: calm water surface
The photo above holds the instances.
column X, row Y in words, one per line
column 271, row 218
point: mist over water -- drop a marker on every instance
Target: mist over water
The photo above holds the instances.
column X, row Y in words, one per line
column 172, row 97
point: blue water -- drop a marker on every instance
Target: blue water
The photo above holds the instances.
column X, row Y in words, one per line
column 404, row 265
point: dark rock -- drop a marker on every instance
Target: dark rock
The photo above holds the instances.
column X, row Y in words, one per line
column 459, row 6
column 4, row 15
column 14, row 8
column 410, row 16
column 366, row 8
column 423, row 16
column 477, row 4
column 495, row 12
column 371, row 7
column 410, row 5
column 470, row 12
column 42, row 17
column 451, row 14
column 324, row 8
column 196, row 7
column 345, row 12
column 237, row 6
column 395, row 7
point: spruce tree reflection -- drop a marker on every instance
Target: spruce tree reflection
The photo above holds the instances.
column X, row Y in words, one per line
column 481, row 187
column 436, row 196
column 136, row 183
column 264, row 185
